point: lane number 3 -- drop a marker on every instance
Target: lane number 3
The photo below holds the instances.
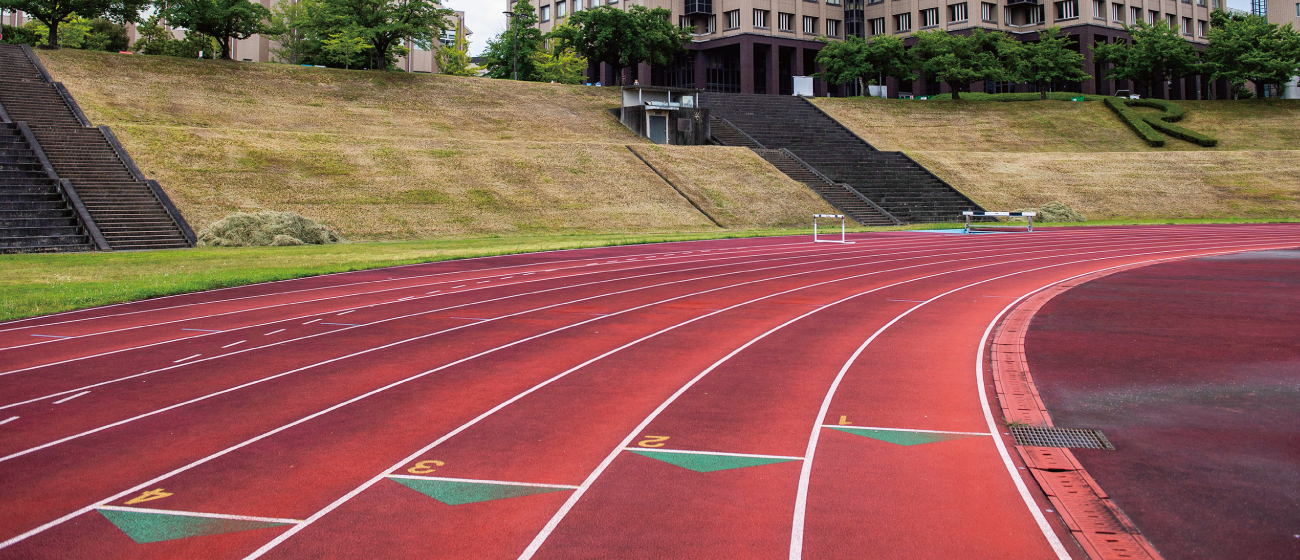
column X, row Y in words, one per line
column 653, row 441
column 425, row 467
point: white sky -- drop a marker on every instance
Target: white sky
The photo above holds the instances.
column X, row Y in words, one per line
column 485, row 19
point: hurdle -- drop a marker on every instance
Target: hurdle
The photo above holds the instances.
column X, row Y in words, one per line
column 980, row 213
column 842, row 239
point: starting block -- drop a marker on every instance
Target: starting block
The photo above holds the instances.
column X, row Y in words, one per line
column 972, row 213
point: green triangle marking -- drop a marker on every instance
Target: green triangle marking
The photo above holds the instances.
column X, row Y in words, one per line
column 708, row 462
column 900, row 437
column 145, row 527
column 455, row 492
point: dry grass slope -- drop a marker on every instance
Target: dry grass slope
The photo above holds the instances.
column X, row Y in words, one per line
column 401, row 156
column 1017, row 155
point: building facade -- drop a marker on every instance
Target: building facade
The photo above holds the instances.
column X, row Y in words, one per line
column 758, row 46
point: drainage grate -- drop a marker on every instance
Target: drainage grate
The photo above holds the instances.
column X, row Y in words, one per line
column 1038, row 436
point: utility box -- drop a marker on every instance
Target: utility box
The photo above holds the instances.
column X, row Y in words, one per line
column 670, row 116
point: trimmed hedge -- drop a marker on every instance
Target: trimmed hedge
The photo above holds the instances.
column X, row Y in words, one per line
column 1009, row 97
column 1136, row 121
column 1173, row 111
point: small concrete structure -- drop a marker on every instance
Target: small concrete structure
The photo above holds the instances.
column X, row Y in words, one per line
column 665, row 115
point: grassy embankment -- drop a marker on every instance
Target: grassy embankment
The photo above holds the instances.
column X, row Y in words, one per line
column 1021, row 154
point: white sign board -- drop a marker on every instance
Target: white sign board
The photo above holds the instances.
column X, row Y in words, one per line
column 803, row 85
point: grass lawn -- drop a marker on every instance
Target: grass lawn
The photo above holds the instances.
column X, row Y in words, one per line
column 38, row 284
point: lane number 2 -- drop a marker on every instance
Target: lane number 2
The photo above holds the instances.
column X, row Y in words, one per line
column 653, row 441
column 148, row 496
column 425, row 467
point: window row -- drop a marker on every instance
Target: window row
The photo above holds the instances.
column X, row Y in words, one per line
column 784, row 22
column 562, row 8
column 1068, row 9
column 957, row 13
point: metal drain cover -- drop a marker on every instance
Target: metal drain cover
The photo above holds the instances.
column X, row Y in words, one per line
column 1040, row 436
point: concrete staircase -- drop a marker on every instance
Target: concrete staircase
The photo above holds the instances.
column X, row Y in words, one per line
column 36, row 215
column 130, row 211
column 843, row 197
column 890, row 180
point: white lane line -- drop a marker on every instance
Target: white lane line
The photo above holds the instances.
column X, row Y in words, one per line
column 683, row 451
column 484, row 282
column 351, row 310
column 457, row 287
column 507, row 277
column 405, row 298
column 311, row 321
column 848, row 427
column 470, row 318
column 72, row 397
column 501, row 482
column 50, row 336
column 273, row 332
column 431, row 293
column 198, row 514
column 234, row 344
column 343, row 324
column 201, row 330
column 907, row 300
column 186, row 358
column 8, row 420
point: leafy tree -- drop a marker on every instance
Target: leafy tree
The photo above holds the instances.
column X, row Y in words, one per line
column 523, row 35
column 20, row 35
column 384, row 24
column 958, row 60
column 855, row 59
column 290, row 28
column 453, row 59
column 344, row 46
column 107, row 36
column 157, row 40
column 54, row 13
column 1049, row 60
column 1156, row 55
column 1249, row 48
column 223, row 20
column 564, row 67
column 623, row 38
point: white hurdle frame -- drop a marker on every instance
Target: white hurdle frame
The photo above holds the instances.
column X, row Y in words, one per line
column 970, row 213
column 842, row 234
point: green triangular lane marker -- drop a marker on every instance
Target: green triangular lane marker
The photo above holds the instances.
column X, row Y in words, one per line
column 145, row 527
column 707, row 462
column 455, row 492
column 900, row 437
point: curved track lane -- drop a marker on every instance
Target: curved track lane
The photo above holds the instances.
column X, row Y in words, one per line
column 747, row 398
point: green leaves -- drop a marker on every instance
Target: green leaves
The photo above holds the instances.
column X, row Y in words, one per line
column 1248, row 48
column 1157, row 54
column 1051, row 59
column 222, row 20
column 856, row 59
column 522, row 39
column 1149, row 127
column 622, row 38
column 54, row 13
column 959, row 60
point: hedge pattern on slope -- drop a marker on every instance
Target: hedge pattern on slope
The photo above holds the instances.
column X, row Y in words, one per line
column 1055, row 212
column 1149, row 127
column 266, row 229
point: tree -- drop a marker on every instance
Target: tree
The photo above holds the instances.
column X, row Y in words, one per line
column 958, row 60
column 623, row 38
column 1249, row 48
column 105, row 35
column 855, row 59
column 384, row 24
column 53, row 13
column 1049, row 60
column 564, row 67
column 523, row 38
column 453, row 59
column 344, row 46
column 289, row 29
column 223, row 20
column 1157, row 54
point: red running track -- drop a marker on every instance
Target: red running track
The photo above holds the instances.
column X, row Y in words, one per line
column 762, row 398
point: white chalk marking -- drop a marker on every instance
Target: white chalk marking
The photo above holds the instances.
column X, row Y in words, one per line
column 837, row 426
column 72, row 397
column 311, row 321
column 198, row 514
column 187, row 358
column 273, row 332
column 8, row 420
column 501, row 482
column 683, row 451
column 234, row 344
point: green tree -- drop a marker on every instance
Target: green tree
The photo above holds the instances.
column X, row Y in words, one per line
column 522, row 35
column 343, row 47
column 564, row 67
column 1049, row 60
column 1249, row 48
column 856, row 60
column 223, row 20
column 54, row 13
column 289, row 28
column 20, row 35
column 623, row 38
column 958, row 60
column 453, row 59
column 1156, row 55
column 384, row 24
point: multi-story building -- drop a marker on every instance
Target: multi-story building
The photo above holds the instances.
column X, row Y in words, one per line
column 756, row 46
column 261, row 49
column 1281, row 12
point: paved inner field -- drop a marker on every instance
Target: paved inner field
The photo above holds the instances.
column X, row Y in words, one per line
column 768, row 398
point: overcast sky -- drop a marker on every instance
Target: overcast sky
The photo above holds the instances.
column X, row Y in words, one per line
column 486, row 20
column 483, row 17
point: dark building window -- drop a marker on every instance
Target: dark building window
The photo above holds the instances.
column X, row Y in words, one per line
column 699, row 7
column 722, row 72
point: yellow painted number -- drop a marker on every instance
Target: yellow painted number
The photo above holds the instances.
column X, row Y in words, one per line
column 653, row 441
column 425, row 467
column 148, row 496
column 844, row 421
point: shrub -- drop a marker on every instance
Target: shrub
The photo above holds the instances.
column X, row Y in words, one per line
column 20, row 35
column 266, row 229
column 1136, row 122
column 1056, row 212
column 1010, row 97
column 1172, row 113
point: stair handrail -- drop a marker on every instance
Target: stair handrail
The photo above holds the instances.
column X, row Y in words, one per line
column 31, row 57
column 154, row 187
column 846, row 186
column 72, row 104
column 936, row 177
column 4, row 115
column 741, row 132
column 65, row 188
column 839, row 124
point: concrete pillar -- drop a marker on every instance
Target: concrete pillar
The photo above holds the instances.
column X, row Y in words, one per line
column 701, row 77
column 773, row 70
column 643, row 73
column 746, row 66
column 798, row 62
column 1086, row 40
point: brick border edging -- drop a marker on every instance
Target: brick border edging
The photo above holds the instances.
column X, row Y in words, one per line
column 1097, row 523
